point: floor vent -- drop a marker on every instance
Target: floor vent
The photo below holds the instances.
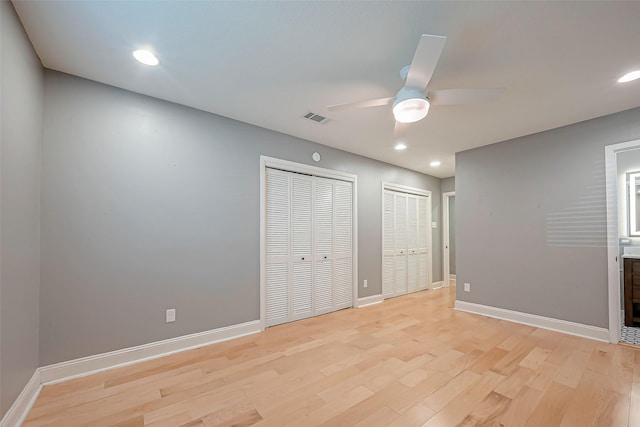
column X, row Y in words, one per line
column 316, row 118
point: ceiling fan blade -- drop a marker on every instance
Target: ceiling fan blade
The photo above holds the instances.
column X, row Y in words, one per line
column 362, row 104
column 425, row 60
column 463, row 96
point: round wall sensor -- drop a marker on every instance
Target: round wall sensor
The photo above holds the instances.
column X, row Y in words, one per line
column 316, row 157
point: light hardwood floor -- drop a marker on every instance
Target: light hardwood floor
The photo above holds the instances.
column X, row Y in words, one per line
column 409, row 361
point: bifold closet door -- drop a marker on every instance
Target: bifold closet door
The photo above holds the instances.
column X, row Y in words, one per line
column 301, row 246
column 388, row 243
column 343, row 244
column 412, row 243
column 308, row 233
column 423, row 245
column 400, row 261
column 323, row 245
column 277, row 236
column 405, row 259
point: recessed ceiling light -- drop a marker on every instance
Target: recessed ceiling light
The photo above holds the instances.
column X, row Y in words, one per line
column 435, row 164
column 145, row 57
column 400, row 146
column 629, row 77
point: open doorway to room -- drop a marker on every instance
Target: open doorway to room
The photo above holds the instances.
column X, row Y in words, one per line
column 628, row 204
column 623, row 241
column 449, row 238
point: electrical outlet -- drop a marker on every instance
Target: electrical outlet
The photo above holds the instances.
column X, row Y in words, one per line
column 365, row 283
column 171, row 315
column 467, row 287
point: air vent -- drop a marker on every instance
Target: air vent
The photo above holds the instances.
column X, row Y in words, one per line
column 316, row 118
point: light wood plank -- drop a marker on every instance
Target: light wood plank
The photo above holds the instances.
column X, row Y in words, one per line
column 410, row 361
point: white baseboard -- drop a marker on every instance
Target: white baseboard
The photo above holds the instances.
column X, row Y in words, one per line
column 571, row 328
column 371, row 300
column 452, row 277
column 436, row 285
column 23, row 403
column 89, row 365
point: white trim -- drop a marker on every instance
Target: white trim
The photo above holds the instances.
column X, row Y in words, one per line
column 23, row 403
column 405, row 189
column 287, row 165
column 371, row 300
column 438, row 285
column 446, row 268
column 101, row 362
column 452, row 277
column 563, row 326
column 611, row 176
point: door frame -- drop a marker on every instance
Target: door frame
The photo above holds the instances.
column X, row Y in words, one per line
column 446, row 265
column 288, row 166
column 418, row 192
column 613, row 250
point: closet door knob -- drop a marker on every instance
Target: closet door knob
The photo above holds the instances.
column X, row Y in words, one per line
column 325, row 257
column 303, row 258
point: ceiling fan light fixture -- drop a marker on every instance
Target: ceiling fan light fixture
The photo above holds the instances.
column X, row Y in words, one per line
column 410, row 106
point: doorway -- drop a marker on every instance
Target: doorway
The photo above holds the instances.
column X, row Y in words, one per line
column 619, row 162
column 448, row 239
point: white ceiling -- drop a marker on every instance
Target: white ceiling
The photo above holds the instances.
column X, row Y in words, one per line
column 269, row 62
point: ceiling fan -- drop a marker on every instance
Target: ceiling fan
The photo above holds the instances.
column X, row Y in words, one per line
column 412, row 101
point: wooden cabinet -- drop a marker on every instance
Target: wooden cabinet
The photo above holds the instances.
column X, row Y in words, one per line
column 631, row 292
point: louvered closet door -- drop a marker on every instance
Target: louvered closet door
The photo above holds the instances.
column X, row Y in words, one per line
column 343, row 258
column 323, row 247
column 309, row 238
column 301, row 247
column 388, row 244
column 400, row 287
column 423, row 239
column 412, row 243
column 277, row 274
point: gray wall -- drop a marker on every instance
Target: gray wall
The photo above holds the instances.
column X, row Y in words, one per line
column 22, row 99
column 149, row 205
column 448, row 184
column 533, row 215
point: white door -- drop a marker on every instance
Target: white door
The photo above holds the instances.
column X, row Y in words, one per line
column 423, row 242
column 406, row 235
column 277, row 273
column 343, row 242
column 308, row 251
column 412, row 243
column 301, row 246
column 388, row 244
column 400, row 284
column 323, row 250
